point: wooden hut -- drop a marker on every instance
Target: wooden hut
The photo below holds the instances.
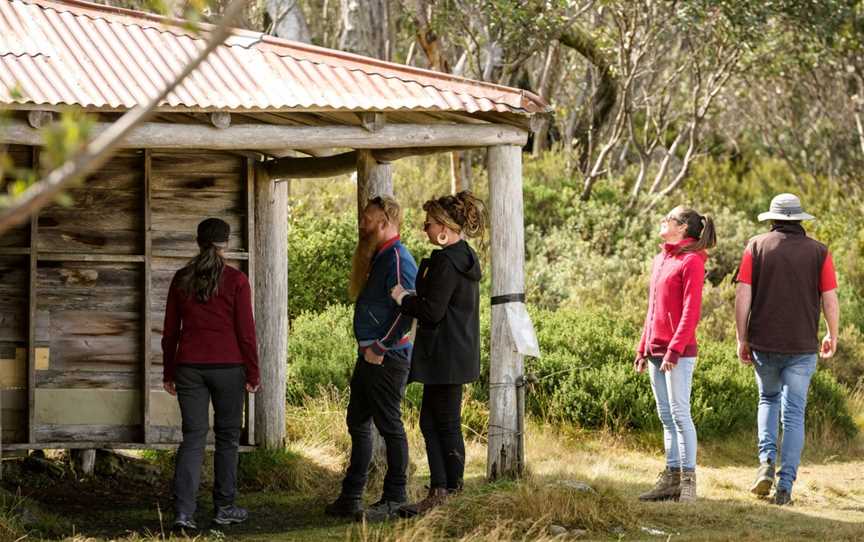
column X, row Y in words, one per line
column 84, row 283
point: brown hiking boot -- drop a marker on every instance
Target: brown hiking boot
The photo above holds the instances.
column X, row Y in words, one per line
column 668, row 487
column 688, row 486
column 436, row 497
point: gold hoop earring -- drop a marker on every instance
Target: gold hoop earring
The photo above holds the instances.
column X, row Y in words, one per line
column 442, row 238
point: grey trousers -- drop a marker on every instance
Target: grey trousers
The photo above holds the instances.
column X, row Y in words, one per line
column 196, row 388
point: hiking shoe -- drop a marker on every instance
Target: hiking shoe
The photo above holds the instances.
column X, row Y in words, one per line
column 764, row 479
column 782, row 497
column 688, row 486
column 668, row 487
column 436, row 497
column 230, row 514
column 184, row 522
column 344, row 507
column 382, row 510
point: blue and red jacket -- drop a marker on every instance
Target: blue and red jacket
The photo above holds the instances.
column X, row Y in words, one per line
column 378, row 322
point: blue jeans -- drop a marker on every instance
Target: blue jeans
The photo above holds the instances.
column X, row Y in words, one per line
column 672, row 393
column 783, row 380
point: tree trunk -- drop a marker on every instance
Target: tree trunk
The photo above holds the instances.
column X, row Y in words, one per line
column 365, row 28
column 547, row 81
column 603, row 99
column 285, row 19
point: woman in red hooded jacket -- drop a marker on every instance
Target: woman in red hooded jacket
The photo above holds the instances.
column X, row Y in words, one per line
column 668, row 344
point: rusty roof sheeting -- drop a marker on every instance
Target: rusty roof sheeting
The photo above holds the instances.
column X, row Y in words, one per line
column 77, row 53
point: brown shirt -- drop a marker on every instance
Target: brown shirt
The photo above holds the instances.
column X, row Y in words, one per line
column 788, row 272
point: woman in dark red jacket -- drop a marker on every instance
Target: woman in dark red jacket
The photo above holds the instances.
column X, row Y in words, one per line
column 209, row 354
column 668, row 343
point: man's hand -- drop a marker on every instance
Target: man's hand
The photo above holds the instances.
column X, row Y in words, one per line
column 829, row 346
column 169, row 387
column 640, row 363
column 397, row 293
column 252, row 389
column 744, row 353
column 372, row 357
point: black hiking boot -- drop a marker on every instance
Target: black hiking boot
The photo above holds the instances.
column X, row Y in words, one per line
column 382, row 510
column 782, row 497
column 184, row 522
column 344, row 507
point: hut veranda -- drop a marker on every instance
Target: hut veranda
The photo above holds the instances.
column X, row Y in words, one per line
column 83, row 285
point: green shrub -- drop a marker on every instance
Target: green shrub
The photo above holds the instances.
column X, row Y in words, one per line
column 321, row 352
column 585, row 376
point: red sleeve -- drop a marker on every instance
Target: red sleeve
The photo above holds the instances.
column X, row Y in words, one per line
column 244, row 326
column 745, row 269
column 693, row 280
column 828, row 278
column 170, row 334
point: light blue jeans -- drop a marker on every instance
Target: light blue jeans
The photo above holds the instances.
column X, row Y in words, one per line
column 783, row 380
column 672, row 393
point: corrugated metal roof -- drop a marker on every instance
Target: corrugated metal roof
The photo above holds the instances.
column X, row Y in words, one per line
column 78, row 53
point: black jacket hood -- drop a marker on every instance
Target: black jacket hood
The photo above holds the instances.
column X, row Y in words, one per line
column 464, row 259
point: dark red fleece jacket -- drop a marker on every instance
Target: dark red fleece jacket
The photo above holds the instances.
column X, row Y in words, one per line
column 220, row 331
column 674, row 303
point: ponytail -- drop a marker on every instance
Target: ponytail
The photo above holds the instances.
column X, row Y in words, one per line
column 200, row 277
column 699, row 227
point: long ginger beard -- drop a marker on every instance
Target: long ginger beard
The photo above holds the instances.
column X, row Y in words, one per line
column 361, row 263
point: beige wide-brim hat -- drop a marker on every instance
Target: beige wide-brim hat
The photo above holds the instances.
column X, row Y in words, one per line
column 785, row 207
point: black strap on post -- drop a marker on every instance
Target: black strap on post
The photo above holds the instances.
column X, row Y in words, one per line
column 508, row 298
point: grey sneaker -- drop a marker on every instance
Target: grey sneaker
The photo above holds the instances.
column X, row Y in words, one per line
column 782, row 497
column 184, row 522
column 688, row 486
column 382, row 510
column 230, row 514
column 764, row 479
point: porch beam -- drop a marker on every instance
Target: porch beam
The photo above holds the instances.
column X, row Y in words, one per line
column 263, row 137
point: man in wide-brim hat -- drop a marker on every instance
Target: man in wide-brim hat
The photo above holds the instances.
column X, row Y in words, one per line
column 784, row 280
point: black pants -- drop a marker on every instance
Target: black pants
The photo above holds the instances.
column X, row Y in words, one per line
column 441, row 424
column 376, row 396
column 196, row 388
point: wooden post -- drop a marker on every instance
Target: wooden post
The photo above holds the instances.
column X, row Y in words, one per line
column 271, row 304
column 148, row 297
column 31, row 320
column 250, row 270
column 373, row 179
column 508, row 284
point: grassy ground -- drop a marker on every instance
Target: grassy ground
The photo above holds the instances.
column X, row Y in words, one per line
column 285, row 493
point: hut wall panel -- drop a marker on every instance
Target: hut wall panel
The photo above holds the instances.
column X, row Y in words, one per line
column 14, row 281
column 89, row 315
column 87, row 407
column 189, row 187
column 14, row 415
column 20, row 158
column 105, row 213
column 88, row 433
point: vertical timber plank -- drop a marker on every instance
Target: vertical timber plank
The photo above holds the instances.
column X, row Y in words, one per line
column 271, row 300
column 31, row 320
column 508, row 277
column 148, row 296
column 250, row 269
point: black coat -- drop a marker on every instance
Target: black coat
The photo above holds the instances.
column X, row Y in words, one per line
column 447, row 308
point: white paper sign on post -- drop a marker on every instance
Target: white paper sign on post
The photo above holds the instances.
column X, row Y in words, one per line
column 522, row 330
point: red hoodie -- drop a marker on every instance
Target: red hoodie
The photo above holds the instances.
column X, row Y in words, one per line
column 674, row 303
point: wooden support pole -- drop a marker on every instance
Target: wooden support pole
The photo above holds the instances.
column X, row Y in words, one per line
column 271, row 304
column 373, row 179
column 263, row 137
column 250, row 272
column 508, row 279
column 85, row 461
column 147, row 321
column 31, row 320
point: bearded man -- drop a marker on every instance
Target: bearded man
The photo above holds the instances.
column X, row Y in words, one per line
column 380, row 262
